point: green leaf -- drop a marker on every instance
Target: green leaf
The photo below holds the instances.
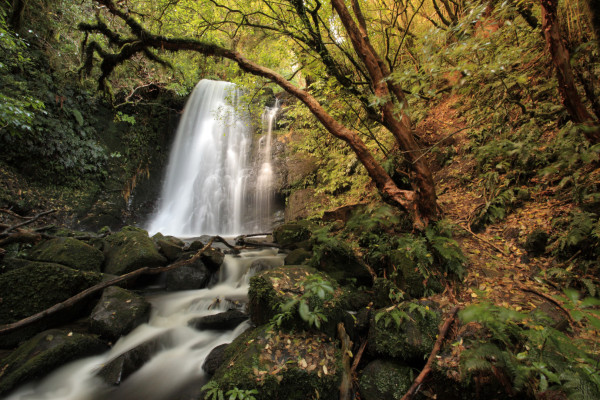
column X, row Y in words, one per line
column 304, row 311
column 78, row 116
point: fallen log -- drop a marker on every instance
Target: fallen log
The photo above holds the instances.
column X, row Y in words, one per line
column 70, row 302
column 436, row 348
column 29, row 221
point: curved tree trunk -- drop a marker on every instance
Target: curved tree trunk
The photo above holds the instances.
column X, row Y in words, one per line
column 564, row 73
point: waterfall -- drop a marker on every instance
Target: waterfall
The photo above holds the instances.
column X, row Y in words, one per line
column 176, row 369
column 206, row 181
column 216, row 183
column 264, row 192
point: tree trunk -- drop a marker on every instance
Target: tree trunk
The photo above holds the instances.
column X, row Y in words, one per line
column 594, row 14
column 564, row 73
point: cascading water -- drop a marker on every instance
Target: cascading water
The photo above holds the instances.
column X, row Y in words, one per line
column 208, row 169
column 177, row 368
column 264, row 192
column 213, row 184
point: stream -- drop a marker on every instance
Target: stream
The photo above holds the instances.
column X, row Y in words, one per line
column 175, row 371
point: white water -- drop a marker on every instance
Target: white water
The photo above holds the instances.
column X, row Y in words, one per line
column 175, row 368
column 264, row 191
column 208, row 169
column 212, row 185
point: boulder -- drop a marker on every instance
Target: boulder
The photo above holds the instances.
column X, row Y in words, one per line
column 337, row 259
column 212, row 257
column 188, row 277
column 384, row 379
column 68, row 251
column 131, row 249
column 272, row 289
column 118, row 312
column 291, row 366
column 221, row 322
column 214, row 359
column 44, row 353
column 297, row 257
column 412, row 339
column 536, row 242
column 169, row 249
column 35, row 287
column 121, row 367
column 291, row 234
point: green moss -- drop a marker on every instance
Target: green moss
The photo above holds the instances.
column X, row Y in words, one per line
column 37, row 286
column 70, row 252
column 44, row 353
column 411, row 341
column 292, row 233
column 282, row 366
column 130, row 249
column 383, row 379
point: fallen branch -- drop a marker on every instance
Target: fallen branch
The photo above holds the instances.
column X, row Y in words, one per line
column 29, row 221
column 476, row 236
column 11, row 212
column 361, row 350
column 436, row 348
column 96, row 288
column 557, row 303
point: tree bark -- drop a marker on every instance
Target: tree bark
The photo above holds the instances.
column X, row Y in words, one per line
column 566, row 81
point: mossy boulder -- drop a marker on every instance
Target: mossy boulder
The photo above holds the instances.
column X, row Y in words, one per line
column 118, row 312
column 42, row 354
column 337, row 259
column 536, row 242
column 272, row 289
column 297, row 257
column 282, row 366
column 68, row 251
column 131, row 249
column 37, row 286
column 412, row 339
column 384, row 379
column 169, row 249
column 292, row 234
column 212, row 256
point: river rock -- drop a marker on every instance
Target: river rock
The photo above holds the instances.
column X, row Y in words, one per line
column 68, row 251
column 291, row 366
column 213, row 258
column 384, row 379
column 118, row 312
column 120, row 368
column 223, row 321
column 410, row 341
column 44, row 353
column 188, row 277
column 169, row 249
column 214, row 359
column 35, row 287
column 297, row 257
column 291, row 234
column 131, row 249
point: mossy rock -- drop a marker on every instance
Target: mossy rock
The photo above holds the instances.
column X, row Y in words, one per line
column 271, row 289
column 68, row 251
column 536, row 242
column 410, row 341
column 118, row 312
column 282, row 366
column 212, row 256
column 44, row 353
column 410, row 280
column 297, row 257
column 37, row 286
column 337, row 259
column 292, row 233
column 384, row 379
column 170, row 246
column 131, row 249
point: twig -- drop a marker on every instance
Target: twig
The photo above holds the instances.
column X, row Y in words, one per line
column 557, row 303
column 96, row 288
column 11, row 212
column 436, row 348
column 356, row 361
column 29, row 221
column 484, row 240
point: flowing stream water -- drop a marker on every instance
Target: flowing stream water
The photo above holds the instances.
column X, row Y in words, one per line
column 177, row 367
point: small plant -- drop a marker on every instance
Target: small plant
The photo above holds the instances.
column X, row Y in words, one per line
column 214, row 392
